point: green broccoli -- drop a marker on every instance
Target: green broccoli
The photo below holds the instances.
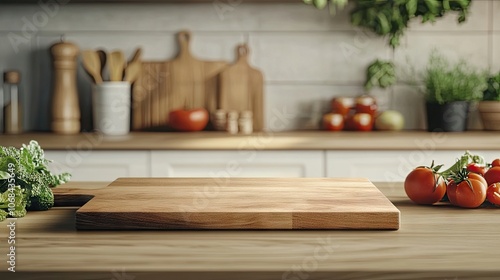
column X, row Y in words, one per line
column 31, row 175
column 13, row 203
column 43, row 201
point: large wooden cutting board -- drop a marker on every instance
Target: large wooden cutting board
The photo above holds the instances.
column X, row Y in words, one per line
column 242, row 88
column 184, row 82
column 233, row 203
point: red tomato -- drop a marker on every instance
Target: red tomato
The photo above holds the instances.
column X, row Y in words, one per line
column 360, row 122
column 342, row 105
column 492, row 175
column 451, row 192
column 478, row 177
column 477, row 168
column 423, row 186
column 188, row 120
column 495, row 162
column 366, row 104
column 470, row 196
column 493, row 194
column 333, row 122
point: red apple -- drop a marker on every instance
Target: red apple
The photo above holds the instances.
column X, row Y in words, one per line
column 188, row 120
column 342, row 105
column 333, row 122
column 360, row 122
column 366, row 104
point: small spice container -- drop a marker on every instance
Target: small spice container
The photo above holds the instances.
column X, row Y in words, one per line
column 12, row 113
column 245, row 122
column 219, row 120
column 232, row 122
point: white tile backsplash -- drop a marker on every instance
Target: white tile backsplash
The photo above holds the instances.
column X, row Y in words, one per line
column 495, row 11
column 306, row 55
column 471, row 46
column 495, row 50
column 316, row 56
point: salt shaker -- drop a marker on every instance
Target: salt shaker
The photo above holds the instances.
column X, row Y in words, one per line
column 232, row 122
column 245, row 122
column 219, row 120
column 13, row 115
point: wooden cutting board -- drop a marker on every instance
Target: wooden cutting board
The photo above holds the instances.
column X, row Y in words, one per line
column 235, row 203
column 184, row 82
column 242, row 88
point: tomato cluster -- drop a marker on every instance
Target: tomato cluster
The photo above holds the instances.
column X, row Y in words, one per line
column 348, row 113
column 467, row 186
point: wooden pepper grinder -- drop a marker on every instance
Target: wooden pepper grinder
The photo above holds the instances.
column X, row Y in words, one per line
column 65, row 108
column 13, row 115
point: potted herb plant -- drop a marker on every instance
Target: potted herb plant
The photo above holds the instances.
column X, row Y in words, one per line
column 489, row 107
column 449, row 90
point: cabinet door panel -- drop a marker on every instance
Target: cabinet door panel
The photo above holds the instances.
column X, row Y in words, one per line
column 100, row 165
column 237, row 164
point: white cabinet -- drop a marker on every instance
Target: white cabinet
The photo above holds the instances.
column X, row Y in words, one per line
column 89, row 165
column 243, row 163
column 389, row 166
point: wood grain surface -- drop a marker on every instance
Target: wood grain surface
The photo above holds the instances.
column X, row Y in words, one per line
column 433, row 242
column 299, row 140
column 242, row 88
column 184, row 82
column 236, row 203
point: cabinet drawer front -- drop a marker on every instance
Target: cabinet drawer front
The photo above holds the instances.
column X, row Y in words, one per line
column 245, row 163
column 100, row 165
column 389, row 166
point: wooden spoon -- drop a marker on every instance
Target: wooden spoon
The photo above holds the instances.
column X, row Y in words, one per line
column 132, row 71
column 136, row 56
column 92, row 65
column 116, row 64
column 102, row 57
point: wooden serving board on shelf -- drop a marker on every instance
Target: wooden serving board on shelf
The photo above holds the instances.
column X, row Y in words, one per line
column 234, row 203
column 184, row 82
column 242, row 88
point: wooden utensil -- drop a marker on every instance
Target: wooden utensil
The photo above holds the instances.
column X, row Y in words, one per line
column 92, row 64
column 132, row 71
column 137, row 56
column 184, row 82
column 116, row 63
column 242, row 87
column 239, row 203
column 102, row 57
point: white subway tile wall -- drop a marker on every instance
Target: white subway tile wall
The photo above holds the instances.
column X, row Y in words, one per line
column 307, row 56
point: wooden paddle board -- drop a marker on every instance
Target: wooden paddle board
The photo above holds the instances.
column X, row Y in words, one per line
column 242, row 88
column 184, row 82
column 232, row 203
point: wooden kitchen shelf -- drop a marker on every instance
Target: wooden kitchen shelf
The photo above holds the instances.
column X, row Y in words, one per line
column 304, row 140
column 149, row 1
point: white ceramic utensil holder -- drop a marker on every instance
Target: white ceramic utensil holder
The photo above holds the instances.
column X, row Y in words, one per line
column 111, row 106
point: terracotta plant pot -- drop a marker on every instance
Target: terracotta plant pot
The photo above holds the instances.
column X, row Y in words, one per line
column 490, row 114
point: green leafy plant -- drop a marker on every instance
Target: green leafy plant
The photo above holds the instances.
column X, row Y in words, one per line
column 24, row 173
column 380, row 73
column 492, row 93
column 392, row 17
column 446, row 82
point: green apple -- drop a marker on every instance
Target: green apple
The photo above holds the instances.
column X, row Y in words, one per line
column 390, row 120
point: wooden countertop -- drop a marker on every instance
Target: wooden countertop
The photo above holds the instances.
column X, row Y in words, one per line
column 313, row 140
column 434, row 242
